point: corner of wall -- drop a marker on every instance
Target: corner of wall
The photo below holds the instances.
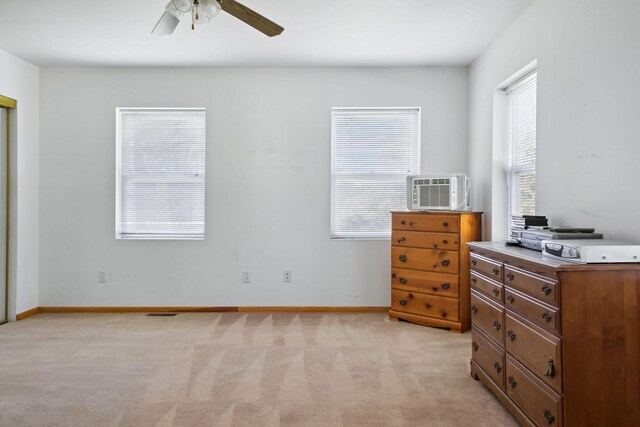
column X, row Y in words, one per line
column 20, row 80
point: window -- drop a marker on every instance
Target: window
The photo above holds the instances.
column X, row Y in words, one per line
column 372, row 152
column 521, row 147
column 160, row 173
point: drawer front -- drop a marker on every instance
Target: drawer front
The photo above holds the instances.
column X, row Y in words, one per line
column 487, row 316
column 536, row 349
column 425, row 305
column 543, row 288
column 543, row 315
column 489, row 287
column 422, row 239
column 538, row 401
column 426, row 222
column 489, row 357
column 487, row 266
column 441, row 284
column 425, row 259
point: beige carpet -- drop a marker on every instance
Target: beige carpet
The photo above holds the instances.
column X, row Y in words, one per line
column 237, row 369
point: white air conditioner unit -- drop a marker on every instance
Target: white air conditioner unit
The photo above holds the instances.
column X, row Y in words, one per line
column 438, row 192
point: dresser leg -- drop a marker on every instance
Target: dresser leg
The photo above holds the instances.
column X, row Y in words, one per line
column 472, row 371
column 457, row 328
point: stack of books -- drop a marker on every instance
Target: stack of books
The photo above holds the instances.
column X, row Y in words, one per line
column 527, row 222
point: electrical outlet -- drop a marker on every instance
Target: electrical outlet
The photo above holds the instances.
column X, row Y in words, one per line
column 286, row 276
column 102, row 276
column 246, row 278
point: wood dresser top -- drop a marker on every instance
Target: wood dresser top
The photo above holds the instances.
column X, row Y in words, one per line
column 434, row 212
column 544, row 261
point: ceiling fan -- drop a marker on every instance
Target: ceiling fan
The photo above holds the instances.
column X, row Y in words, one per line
column 202, row 11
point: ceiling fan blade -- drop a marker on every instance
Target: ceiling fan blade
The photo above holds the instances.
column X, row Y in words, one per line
column 166, row 25
column 250, row 17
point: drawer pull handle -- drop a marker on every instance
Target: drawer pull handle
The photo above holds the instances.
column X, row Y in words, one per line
column 402, row 280
column 546, row 289
column 403, row 222
column 511, row 299
column 427, row 305
column 496, row 271
column 496, row 325
column 474, row 262
column 474, row 309
column 475, row 346
column 445, row 286
column 546, row 317
column 411, row 223
column 549, row 416
column 444, row 314
column 402, row 239
column 498, row 367
column 510, row 276
column 444, row 242
column 402, row 258
column 551, row 370
column 445, row 224
column 511, row 335
column 445, row 262
column 474, row 280
column 512, row 382
column 496, row 292
column 403, row 302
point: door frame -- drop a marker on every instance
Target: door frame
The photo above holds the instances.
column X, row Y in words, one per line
column 9, row 104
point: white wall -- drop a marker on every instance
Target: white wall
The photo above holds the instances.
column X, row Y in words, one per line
column 268, row 184
column 588, row 54
column 20, row 80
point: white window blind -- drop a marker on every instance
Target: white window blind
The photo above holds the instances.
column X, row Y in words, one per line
column 372, row 152
column 521, row 146
column 160, row 173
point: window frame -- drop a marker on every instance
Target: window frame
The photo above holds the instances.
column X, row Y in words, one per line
column 119, row 235
column 513, row 169
column 417, row 145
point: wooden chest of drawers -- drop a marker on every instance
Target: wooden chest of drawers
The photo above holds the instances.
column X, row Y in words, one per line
column 430, row 267
column 558, row 343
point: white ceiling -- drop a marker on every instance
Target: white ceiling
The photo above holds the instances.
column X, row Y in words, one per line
column 317, row 33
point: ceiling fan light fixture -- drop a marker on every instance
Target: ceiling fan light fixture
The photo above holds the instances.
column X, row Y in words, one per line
column 202, row 19
column 209, row 8
column 183, row 6
column 171, row 8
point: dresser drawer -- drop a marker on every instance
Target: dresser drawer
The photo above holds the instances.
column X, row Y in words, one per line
column 422, row 239
column 487, row 266
column 422, row 222
column 489, row 287
column 543, row 315
column 425, row 305
column 487, row 316
column 488, row 356
column 536, row 349
column 543, row 288
column 425, row 259
column 441, row 284
column 538, row 401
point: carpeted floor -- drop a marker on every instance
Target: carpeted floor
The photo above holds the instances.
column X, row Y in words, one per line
column 238, row 369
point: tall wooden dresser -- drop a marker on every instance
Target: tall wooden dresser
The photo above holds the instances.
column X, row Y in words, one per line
column 430, row 267
column 558, row 343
